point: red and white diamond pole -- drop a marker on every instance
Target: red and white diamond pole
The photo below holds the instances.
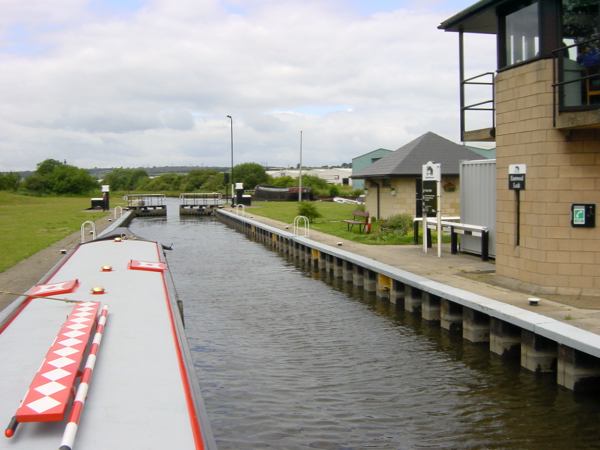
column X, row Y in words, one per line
column 82, row 390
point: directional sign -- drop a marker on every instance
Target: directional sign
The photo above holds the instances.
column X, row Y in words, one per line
column 430, row 205
column 516, row 177
column 516, row 182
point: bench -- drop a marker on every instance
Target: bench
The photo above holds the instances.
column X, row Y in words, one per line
column 455, row 229
column 362, row 224
column 469, row 230
column 430, row 220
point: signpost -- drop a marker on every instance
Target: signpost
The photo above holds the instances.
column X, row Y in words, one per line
column 432, row 204
column 516, row 182
column 106, row 197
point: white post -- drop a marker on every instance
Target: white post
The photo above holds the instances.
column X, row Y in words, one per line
column 424, row 226
column 439, row 219
column 300, row 174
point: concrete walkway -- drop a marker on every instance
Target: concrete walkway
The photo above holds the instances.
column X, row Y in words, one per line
column 466, row 272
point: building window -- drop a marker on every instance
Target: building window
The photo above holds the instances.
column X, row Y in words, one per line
column 522, row 34
column 581, row 60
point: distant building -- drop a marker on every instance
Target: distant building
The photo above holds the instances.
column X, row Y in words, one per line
column 361, row 162
column 335, row 175
column 394, row 182
column 486, row 153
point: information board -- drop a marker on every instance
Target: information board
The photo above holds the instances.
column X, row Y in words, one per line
column 430, row 206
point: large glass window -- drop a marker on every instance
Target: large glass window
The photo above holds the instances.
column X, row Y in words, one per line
column 522, row 35
column 580, row 61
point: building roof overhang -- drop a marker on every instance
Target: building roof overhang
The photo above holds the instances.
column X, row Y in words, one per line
column 478, row 18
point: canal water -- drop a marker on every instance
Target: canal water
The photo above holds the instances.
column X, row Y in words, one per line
column 289, row 361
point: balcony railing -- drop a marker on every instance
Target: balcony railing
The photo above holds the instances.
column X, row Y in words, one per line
column 576, row 77
column 485, row 134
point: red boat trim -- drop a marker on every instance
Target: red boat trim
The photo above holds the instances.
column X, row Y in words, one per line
column 193, row 415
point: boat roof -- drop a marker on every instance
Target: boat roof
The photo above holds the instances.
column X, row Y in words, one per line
column 143, row 393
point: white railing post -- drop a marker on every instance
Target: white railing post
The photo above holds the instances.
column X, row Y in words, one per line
column 115, row 212
column 93, row 231
column 304, row 222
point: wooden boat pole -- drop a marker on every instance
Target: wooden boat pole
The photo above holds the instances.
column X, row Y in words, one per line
column 82, row 390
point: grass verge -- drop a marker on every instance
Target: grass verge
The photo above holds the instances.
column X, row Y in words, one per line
column 331, row 222
column 29, row 224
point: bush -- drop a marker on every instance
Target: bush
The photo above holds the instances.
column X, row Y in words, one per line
column 309, row 210
column 9, row 181
column 54, row 177
column 400, row 224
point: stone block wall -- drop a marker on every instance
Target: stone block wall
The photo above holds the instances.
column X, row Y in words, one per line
column 563, row 167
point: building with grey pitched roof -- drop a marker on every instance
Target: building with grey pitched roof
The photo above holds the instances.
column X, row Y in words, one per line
column 394, row 182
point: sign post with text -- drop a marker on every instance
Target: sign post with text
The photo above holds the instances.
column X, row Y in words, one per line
column 516, row 182
column 432, row 201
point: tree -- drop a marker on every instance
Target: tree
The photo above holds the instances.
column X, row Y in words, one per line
column 285, row 181
column 54, row 177
column 10, row 181
column 251, row 174
column 196, row 180
column 47, row 166
column 125, row 179
column 164, row 182
column 65, row 179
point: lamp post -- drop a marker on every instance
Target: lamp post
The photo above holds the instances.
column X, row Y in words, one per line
column 300, row 174
column 231, row 171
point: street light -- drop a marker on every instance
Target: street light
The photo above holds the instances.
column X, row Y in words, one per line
column 231, row 171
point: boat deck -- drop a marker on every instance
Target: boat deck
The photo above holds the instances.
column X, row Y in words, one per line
column 143, row 394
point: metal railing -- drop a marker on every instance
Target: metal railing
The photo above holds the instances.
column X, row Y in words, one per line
column 581, row 82
column 486, row 105
column 92, row 231
column 240, row 210
column 301, row 223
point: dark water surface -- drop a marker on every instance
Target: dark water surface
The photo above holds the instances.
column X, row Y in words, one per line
column 287, row 361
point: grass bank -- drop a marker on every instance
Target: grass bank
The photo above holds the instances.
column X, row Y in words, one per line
column 331, row 222
column 29, row 224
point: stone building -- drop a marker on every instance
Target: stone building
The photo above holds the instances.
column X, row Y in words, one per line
column 547, row 117
column 393, row 183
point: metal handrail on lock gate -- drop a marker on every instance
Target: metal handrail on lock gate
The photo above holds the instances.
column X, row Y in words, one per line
column 304, row 222
column 93, row 225
column 237, row 210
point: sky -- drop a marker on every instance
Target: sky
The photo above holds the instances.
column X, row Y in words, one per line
column 130, row 83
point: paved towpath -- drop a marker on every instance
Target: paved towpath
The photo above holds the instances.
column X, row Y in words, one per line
column 466, row 272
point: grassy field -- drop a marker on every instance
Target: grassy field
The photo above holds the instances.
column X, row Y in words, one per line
column 29, row 224
column 331, row 221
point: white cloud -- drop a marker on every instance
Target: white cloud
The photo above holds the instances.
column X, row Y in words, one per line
column 154, row 87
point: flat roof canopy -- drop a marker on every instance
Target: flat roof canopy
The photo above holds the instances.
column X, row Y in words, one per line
column 478, row 18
